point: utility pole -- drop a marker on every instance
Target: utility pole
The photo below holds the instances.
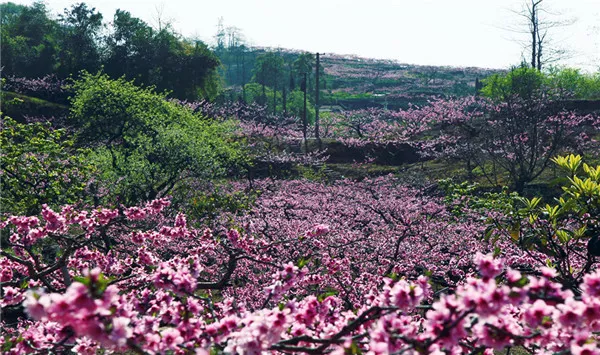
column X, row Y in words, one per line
column 304, row 120
column 317, row 135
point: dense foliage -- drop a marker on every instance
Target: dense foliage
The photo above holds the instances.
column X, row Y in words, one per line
column 557, row 83
column 40, row 166
column 34, row 45
column 143, row 144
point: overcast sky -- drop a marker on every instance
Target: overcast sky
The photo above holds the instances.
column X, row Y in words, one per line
column 429, row 32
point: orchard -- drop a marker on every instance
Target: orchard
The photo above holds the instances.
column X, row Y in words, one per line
column 135, row 225
column 354, row 267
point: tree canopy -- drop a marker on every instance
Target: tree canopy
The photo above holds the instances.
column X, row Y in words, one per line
column 35, row 45
column 144, row 144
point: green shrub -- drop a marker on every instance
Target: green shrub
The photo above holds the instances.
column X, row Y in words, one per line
column 40, row 166
column 556, row 83
column 144, row 145
column 561, row 230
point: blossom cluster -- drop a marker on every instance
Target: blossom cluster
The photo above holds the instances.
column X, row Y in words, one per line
column 312, row 268
column 48, row 87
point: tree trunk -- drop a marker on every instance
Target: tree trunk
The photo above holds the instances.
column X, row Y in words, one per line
column 519, row 186
column 534, row 31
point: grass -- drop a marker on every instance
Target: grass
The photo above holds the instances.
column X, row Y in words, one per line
column 360, row 171
column 18, row 106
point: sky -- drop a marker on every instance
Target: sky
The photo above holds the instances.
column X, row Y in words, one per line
column 482, row 33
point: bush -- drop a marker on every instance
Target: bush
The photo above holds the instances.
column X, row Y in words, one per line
column 557, row 83
column 40, row 166
column 21, row 107
column 565, row 233
column 144, row 144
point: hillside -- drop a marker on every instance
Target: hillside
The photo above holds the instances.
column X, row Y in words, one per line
column 354, row 82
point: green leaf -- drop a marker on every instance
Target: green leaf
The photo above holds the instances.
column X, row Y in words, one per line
column 353, row 349
column 82, row 279
column 497, row 251
column 522, row 282
column 302, row 262
column 564, row 236
column 324, row 295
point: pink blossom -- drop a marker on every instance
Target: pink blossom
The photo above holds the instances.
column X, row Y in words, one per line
column 170, row 338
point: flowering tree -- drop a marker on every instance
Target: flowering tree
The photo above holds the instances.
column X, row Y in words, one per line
column 311, row 269
column 375, row 228
column 269, row 135
column 48, row 87
column 515, row 139
column 350, row 267
column 152, row 293
column 133, row 248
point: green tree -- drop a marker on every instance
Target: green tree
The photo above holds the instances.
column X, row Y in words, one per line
column 255, row 92
column 305, row 63
column 9, row 13
column 562, row 229
column 295, row 106
column 129, row 47
column 268, row 71
column 33, row 45
column 80, row 32
column 161, row 58
column 198, row 66
column 40, row 166
column 145, row 145
column 522, row 81
column 572, row 83
column 554, row 84
column 29, row 40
